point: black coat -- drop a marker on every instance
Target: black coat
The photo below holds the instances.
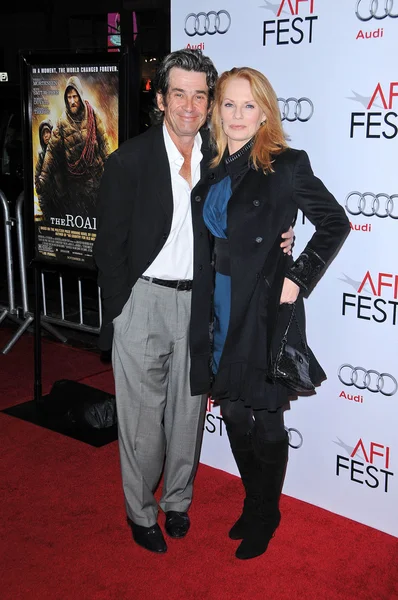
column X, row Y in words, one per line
column 260, row 209
column 134, row 214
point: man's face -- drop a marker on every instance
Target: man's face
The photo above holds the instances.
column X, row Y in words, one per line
column 73, row 99
column 46, row 136
column 187, row 103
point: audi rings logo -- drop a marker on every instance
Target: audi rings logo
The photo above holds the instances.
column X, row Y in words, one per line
column 295, row 438
column 370, row 380
column 369, row 205
column 376, row 9
column 293, row 109
column 211, row 23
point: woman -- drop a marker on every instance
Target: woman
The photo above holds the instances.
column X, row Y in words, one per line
column 254, row 190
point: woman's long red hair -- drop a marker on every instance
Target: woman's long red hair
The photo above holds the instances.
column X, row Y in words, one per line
column 270, row 138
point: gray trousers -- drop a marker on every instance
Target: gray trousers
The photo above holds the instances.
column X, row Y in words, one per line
column 160, row 423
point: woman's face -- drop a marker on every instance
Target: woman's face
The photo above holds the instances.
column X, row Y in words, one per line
column 241, row 116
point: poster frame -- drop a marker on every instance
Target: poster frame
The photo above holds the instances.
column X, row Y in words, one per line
column 29, row 58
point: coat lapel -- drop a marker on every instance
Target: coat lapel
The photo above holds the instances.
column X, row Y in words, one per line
column 159, row 184
column 206, row 152
column 202, row 186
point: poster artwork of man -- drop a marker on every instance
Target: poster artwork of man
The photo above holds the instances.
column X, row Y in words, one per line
column 45, row 129
column 75, row 157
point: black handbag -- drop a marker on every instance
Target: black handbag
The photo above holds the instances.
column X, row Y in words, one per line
column 291, row 365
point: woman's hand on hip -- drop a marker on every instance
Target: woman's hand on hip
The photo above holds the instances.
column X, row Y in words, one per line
column 288, row 241
column 290, row 291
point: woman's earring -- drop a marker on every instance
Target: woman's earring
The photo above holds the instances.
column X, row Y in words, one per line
column 263, row 122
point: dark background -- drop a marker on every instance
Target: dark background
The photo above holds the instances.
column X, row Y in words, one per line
column 80, row 26
column 77, row 26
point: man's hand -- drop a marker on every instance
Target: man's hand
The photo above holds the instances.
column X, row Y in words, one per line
column 290, row 291
column 288, row 242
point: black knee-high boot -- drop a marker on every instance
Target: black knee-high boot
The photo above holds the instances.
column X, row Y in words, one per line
column 271, row 460
column 242, row 450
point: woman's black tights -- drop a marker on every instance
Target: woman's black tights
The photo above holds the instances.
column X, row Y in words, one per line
column 266, row 425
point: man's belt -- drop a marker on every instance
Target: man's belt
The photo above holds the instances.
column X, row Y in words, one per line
column 181, row 285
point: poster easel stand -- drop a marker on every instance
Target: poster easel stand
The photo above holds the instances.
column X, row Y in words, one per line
column 37, row 385
column 57, row 410
column 71, row 408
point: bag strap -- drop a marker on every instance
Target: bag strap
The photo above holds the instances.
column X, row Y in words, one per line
column 292, row 315
column 304, row 343
column 302, row 339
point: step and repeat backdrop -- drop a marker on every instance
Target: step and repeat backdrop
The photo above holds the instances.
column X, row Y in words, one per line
column 333, row 66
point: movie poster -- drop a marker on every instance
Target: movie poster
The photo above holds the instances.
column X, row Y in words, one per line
column 74, row 128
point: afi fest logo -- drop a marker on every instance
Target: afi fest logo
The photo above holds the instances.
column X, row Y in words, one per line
column 362, row 380
column 367, row 464
column 376, row 298
column 294, row 22
column 214, row 423
column 380, row 117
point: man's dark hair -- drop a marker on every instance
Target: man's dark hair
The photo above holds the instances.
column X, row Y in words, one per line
column 189, row 60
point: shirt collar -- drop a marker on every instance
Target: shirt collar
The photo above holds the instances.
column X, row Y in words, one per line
column 173, row 154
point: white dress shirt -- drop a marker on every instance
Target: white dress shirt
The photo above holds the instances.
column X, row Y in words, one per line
column 175, row 260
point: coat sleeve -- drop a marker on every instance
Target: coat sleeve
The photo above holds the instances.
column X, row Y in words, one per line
column 111, row 244
column 329, row 219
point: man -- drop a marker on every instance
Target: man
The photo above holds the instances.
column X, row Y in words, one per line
column 75, row 157
column 146, row 258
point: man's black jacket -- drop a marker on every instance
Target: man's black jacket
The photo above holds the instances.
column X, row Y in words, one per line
column 135, row 209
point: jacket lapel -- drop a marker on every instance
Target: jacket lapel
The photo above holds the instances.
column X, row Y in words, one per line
column 206, row 152
column 202, row 185
column 159, row 183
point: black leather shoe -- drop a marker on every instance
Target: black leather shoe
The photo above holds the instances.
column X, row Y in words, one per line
column 150, row 538
column 177, row 523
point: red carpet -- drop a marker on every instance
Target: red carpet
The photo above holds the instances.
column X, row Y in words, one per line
column 63, row 531
column 58, row 362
